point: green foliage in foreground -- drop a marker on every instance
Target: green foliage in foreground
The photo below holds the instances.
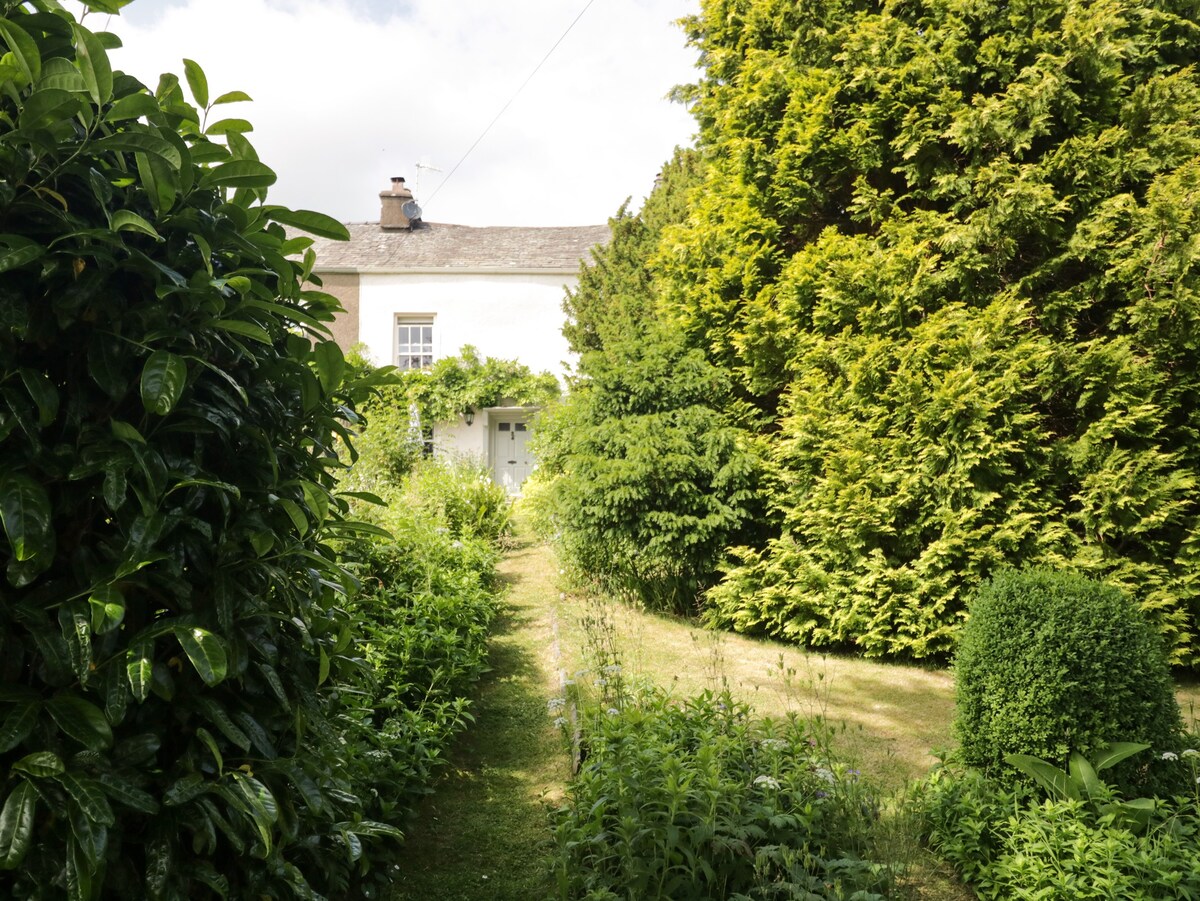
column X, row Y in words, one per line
column 423, row 618
column 187, row 705
column 1053, row 663
column 1010, row 845
column 172, row 626
column 693, row 800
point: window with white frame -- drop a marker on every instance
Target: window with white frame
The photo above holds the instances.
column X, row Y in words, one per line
column 414, row 342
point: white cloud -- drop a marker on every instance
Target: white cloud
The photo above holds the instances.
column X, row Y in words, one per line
column 350, row 92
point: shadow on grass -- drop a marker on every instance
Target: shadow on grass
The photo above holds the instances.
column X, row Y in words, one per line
column 482, row 835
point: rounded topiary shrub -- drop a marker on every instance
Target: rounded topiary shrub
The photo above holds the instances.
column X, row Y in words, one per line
column 1050, row 663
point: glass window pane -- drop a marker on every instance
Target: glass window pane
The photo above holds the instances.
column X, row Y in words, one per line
column 414, row 344
column 520, row 426
column 503, row 426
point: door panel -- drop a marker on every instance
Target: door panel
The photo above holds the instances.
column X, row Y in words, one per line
column 512, row 461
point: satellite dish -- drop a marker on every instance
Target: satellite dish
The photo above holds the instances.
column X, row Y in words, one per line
column 411, row 210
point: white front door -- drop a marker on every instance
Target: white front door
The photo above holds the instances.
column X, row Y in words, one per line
column 511, row 460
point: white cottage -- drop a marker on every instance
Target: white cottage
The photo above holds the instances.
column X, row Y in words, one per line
column 415, row 292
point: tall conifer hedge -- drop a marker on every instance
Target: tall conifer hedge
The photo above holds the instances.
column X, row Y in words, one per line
column 945, row 252
column 956, row 240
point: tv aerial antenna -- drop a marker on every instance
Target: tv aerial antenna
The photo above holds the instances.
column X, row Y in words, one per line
column 423, row 167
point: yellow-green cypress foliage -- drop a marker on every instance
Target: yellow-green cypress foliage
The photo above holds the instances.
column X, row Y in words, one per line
column 948, row 251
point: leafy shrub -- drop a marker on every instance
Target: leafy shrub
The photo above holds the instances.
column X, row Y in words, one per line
column 1050, row 663
column 1008, row 845
column 389, row 448
column 423, row 618
column 172, row 628
column 650, row 479
column 964, row 814
column 945, row 255
column 692, row 800
column 425, row 608
column 461, row 496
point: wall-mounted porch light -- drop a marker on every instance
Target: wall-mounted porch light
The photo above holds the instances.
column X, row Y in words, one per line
column 469, row 416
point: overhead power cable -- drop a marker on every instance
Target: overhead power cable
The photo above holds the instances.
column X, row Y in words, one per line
column 516, row 93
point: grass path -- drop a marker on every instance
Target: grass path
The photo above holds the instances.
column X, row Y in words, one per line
column 479, row 837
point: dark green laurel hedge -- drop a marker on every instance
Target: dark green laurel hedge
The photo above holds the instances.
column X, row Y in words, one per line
column 170, row 404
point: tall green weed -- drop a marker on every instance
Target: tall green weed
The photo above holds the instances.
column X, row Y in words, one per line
column 1009, row 844
column 422, row 622
column 693, row 799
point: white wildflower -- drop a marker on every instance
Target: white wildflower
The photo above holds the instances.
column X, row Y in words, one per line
column 612, row 668
column 613, row 711
column 774, row 744
column 1169, row 755
column 559, row 722
column 826, row 774
column 768, row 781
column 555, row 704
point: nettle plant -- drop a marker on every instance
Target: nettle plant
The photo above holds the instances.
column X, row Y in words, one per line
column 169, row 404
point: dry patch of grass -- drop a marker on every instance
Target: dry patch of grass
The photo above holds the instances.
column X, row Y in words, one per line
column 890, row 718
column 1189, row 701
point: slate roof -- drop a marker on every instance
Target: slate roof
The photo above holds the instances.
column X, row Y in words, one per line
column 436, row 246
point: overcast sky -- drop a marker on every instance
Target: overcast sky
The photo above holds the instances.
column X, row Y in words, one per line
column 348, row 93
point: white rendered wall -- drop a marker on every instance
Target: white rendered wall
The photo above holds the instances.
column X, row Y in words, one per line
column 461, row 440
column 511, row 317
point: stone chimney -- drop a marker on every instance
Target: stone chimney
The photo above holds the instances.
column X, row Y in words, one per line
column 392, row 206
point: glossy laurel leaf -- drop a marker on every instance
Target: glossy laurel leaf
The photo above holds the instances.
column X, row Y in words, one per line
column 93, row 65
column 163, row 379
column 40, row 764
column 25, row 513
column 81, row 720
column 16, row 824
column 23, row 48
column 206, row 652
column 197, row 81
column 240, row 174
column 309, row 221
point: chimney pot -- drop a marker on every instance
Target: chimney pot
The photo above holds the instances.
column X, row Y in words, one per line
column 391, row 205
